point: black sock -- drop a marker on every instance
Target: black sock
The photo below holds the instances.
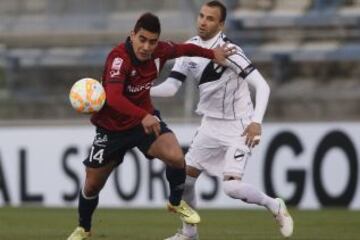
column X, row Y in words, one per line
column 176, row 178
column 86, row 209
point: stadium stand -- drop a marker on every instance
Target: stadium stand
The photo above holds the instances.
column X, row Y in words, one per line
column 309, row 50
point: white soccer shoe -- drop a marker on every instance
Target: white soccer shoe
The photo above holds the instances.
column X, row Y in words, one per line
column 180, row 236
column 284, row 219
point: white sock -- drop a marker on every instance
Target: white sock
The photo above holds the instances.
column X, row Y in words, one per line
column 249, row 194
column 189, row 230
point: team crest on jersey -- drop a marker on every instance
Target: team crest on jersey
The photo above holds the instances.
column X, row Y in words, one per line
column 100, row 140
column 115, row 67
column 239, row 155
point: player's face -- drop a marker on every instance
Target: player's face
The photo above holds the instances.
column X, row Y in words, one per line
column 144, row 43
column 209, row 22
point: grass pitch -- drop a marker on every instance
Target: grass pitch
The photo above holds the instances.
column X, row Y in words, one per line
column 148, row 224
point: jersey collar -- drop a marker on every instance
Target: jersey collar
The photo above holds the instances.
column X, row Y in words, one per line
column 128, row 46
column 212, row 42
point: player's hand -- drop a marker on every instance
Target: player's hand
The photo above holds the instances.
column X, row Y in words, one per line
column 151, row 124
column 252, row 134
column 221, row 52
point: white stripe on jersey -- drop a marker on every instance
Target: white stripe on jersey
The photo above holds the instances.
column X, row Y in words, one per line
column 223, row 92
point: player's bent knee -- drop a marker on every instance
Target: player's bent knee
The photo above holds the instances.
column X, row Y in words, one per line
column 232, row 187
column 91, row 189
column 175, row 159
column 176, row 163
column 190, row 182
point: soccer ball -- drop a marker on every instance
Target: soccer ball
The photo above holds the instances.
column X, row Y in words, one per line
column 87, row 95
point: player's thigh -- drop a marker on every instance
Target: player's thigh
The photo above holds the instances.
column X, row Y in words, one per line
column 236, row 159
column 206, row 153
column 167, row 148
column 96, row 178
column 107, row 147
column 209, row 160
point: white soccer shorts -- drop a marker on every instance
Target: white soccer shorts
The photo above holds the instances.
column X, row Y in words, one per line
column 218, row 147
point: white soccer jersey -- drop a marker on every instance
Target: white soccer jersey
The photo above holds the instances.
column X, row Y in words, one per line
column 223, row 91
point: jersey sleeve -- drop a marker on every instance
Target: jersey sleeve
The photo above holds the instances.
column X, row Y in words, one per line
column 173, row 50
column 239, row 63
column 262, row 93
column 180, row 69
column 115, row 75
column 173, row 82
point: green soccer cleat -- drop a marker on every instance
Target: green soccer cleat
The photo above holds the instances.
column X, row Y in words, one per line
column 79, row 234
column 284, row 219
column 187, row 214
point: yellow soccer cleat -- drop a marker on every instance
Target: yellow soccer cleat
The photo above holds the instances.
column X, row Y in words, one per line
column 79, row 234
column 187, row 214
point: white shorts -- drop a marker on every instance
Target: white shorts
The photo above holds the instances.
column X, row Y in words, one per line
column 218, row 147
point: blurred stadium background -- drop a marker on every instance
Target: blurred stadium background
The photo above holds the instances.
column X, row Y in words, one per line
column 308, row 50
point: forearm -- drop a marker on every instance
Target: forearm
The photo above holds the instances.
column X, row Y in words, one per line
column 117, row 101
column 262, row 89
column 168, row 88
column 192, row 50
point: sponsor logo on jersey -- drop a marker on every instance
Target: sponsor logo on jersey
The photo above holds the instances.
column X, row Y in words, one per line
column 116, row 64
column 192, row 65
column 138, row 88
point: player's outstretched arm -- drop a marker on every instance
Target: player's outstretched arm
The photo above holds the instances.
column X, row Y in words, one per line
column 218, row 54
column 168, row 88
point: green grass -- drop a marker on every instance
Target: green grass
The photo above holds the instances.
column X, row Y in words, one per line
column 140, row 224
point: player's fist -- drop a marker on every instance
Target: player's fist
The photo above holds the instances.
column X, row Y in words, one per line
column 252, row 134
column 151, row 124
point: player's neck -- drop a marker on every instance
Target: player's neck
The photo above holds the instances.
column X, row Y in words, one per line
column 209, row 41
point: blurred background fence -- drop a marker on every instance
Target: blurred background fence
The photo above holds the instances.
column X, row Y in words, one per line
column 308, row 50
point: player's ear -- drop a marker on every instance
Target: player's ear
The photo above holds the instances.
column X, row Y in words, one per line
column 132, row 36
column 222, row 25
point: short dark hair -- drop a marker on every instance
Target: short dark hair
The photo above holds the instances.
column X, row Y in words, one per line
column 149, row 22
column 219, row 5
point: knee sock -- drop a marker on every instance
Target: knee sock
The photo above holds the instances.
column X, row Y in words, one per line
column 249, row 194
column 189, row 230
column 87, row 206
column 176, row 179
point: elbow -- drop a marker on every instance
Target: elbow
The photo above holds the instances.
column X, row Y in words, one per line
column 111, row 101
column 172, row 93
